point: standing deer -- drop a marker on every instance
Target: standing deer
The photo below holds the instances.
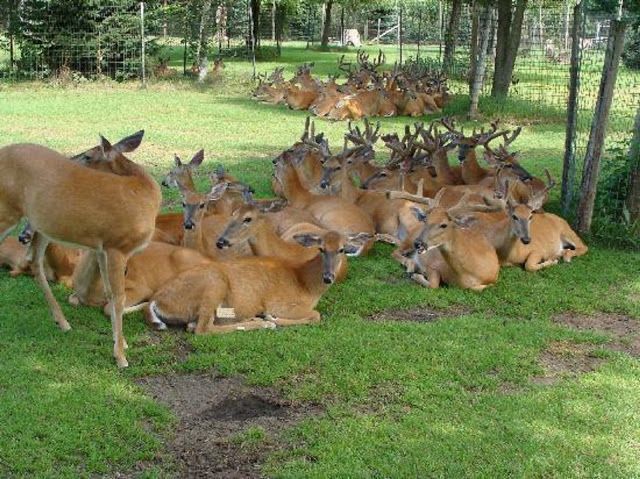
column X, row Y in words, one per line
column 112, row 215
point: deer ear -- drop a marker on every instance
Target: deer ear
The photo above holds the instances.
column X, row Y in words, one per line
column 308, row 239
column 129, row 143
column 176, row 160
column 355, row 243
column 489, row 158
column 197, row 159
column 217, row 191
column 419, row 213
column 106, row 147
column 464, row 221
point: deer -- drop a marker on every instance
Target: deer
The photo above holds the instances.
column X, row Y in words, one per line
column 248, row 224
column 447, row 250
column 198, row 297
column 272, row 89
column 329, row 95
column 533, row 238
column 59, row 198
column 329, row 212
column 391, row 218
column 162, row 69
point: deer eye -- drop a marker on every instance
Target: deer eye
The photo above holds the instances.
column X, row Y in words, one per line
column 338, row 168
column 341, row 250
column 247, row 220
column 184, row 205
column 443, row 225
column 321, row 249
column 202, row 205
column 515, row 217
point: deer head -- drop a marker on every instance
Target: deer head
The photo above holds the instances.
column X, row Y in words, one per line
column 108, row 157
column 182, row 173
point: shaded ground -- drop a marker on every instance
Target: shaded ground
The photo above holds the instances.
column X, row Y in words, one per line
column 225, row 428
column 623, row 330
column 419, row 315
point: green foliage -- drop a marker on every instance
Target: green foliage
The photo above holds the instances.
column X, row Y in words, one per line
column 86, row 36
column 611, row 218
column 631, row 53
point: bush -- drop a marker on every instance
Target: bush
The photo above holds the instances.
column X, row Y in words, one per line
column 611, row 216
column 631, row 53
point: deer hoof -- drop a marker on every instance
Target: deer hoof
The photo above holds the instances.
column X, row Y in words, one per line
column 122, row 363
column 269, row 325
column 74, row 300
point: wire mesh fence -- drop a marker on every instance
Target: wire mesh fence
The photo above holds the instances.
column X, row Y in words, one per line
column 40, row 39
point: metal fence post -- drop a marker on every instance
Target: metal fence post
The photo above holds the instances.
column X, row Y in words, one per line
column 144, row 73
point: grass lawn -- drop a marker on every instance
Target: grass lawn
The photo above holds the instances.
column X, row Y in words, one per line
column 460, row 396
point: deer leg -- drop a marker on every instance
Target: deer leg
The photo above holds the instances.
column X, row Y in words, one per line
column 308, row 318
column 386, row 238
column 534, row 263
column 212, row 328
column 112, row 265
column 84, row 276
column 40, row 244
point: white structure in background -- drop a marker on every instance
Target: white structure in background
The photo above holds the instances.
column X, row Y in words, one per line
column 351, row 37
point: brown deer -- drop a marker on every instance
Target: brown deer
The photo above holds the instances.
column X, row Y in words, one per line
column 448, row 251
column 272, row 89
column 329, row 212
column 533, row 238
column 248, row 224
column 112, row 215
column 196, row 297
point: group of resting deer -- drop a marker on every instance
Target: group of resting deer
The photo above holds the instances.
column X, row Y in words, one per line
column 410, row 90
column 230, row 262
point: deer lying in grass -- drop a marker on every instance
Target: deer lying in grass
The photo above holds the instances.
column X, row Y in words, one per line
column 272, row 89
column 283, row 293
column 329, row 212
column 248, row 224
column 59, row 198
column 447, row 250
column 534, row 238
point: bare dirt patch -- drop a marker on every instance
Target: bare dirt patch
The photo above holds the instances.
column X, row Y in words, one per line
column 564, row 359
column 419, row 315
column 213, row 413
column 623, row 330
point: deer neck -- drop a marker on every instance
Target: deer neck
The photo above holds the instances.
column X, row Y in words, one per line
column 310, row 276
column 266, row 242
column 472, row 172
column 364, row 170
column 297, row 195
column 443, row 169
column 348, row 190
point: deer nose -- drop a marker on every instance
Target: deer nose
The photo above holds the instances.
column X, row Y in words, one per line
column 324, row 184
column 222, row 243
column 188, row 225
column 419, row 246
column 525, row 240
column 164, row 183
column 328, row 278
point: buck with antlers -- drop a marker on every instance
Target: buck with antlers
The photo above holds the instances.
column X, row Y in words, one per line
column 197, row 298
column 329, row 212
column 447, row 250
column 59, row 198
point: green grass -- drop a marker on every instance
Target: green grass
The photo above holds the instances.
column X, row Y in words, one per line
column 401, row 399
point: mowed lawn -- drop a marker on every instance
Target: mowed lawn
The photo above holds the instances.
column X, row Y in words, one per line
column 454, row 397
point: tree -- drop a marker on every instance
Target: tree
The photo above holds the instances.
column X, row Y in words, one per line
column 508, row 42
column 633, row 198
column 479, row 52
column 326, row 28
column 255, row 15
column 451, row 35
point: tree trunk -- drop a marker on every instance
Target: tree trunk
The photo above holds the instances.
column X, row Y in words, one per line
column 484, row 27
column 201, row 50
column 451, row 35
column 326, row 28
column 509, row 31
column 633, row 197
column 255, row 14
column 569, row 162
column 473, row 50
column 599, row 126
column 273, row 21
